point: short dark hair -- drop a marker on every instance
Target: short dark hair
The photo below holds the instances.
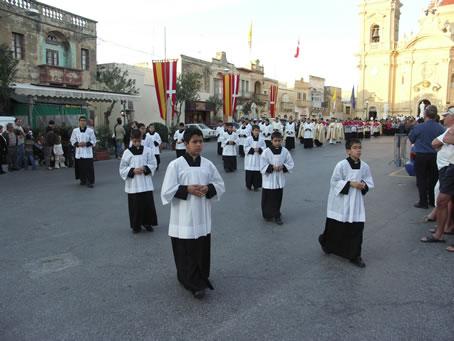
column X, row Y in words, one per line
column 52, row 122
column 267, row 120
column 181, row 124
column 351, row 142
column 136, row 134
column 119, row 120
column 80, row 118
column 276, row 135
column 190, row 132
column 140, row 125
column 255, row 127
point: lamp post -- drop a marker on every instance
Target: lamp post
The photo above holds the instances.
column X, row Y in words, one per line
column 367, row 111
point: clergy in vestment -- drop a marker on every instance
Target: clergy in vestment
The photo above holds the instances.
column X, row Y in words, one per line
column 275, row 162
column 331, row 136
column 267, row 131
column 351, row 180
column 220, row 129
column 319, row 134
column 84, row 139
column 308, row 134
column 253, row 147
column 190, row 184
column 243, row 134
column 229, row 152
column 137, row 166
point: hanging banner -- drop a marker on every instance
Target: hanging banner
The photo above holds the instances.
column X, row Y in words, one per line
column 230, row 93
column 165, row 80
column 273, row 99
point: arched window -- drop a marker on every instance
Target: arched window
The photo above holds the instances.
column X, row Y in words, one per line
column 375, row 34
column 51, row 39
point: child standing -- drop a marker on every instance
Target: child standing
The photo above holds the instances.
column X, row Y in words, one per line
column 229, row 142
column 243, row 134
column 253, row 148
column 179, row 140
column 275, row 162
column 189, row 185
column 351, row 180
column 137, row 166
column 58, row 153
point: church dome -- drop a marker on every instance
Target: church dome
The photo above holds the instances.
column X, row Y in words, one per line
column 435, row 3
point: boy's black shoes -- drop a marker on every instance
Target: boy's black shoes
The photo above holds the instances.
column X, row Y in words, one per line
column 91, row 185
column 358, row 262
column 419, row 205
column 199, row 293
column 279, row 221
column 136, row 230
column 148, row 228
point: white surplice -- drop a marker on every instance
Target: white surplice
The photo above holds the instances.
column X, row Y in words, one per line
column 252, row 161
column 243, row 131
column 219, row 133
column 229, row 149
column 290, row 129
column 179, row 137
column 155, row 142
column 78, row 136
column 190, row 218
column 140, row 182
column 275, row 180
column 308, row 130
column 268, row 130
column 348, row 208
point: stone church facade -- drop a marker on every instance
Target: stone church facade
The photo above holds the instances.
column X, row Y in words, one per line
column 399, row 77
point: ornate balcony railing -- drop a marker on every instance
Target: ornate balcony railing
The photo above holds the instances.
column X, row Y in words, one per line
column 56, row 75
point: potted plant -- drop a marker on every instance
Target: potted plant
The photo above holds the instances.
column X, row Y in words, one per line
column 103, row 143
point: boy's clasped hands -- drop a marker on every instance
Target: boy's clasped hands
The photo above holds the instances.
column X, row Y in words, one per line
column 198, row 190
column 278, row 168
column 358, row 185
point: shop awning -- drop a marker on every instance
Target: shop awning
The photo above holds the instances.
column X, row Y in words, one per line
column 88, row 95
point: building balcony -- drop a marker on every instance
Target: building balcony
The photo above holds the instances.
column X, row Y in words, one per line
column 56, row 75
column 303, row 103
column 260, row 97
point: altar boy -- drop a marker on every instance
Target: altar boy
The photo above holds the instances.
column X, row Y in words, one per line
column 253, row 148
column 229, row 151
column 275, row 162
column 190, row 184
column 351, row 180
column 137, row 166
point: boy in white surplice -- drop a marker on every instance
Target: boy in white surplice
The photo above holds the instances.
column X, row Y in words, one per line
column 253, row 148
column 275, row 162
column 190, row 184
column 351, row 180
column 137, row 166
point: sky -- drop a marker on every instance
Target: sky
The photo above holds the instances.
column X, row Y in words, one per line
column 133, row 32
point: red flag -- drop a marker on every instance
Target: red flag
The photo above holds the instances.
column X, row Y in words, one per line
column 165, row 77
column 297, row 49
column 273, row 99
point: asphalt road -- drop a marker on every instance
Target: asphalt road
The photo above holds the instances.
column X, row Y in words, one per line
column 72, row 270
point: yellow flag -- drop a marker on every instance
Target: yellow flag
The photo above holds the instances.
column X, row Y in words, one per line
column 250, row 36
column 334, row 99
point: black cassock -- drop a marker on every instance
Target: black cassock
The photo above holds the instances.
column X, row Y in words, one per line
column 84, row 170
column 342, row 239
column 271, row 202
column 229, row 163
column 290, row 143
column 142, row 210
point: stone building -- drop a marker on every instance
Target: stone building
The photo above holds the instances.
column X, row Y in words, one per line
column 303, row 103
column 399, row 77
column 144, row 111
column 317, row 91
column 56, row 54
column 333, row 108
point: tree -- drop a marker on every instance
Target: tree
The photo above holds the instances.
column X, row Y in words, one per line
column 115, row 80
column 216, row 102
column 8, row 70
column 187, row 89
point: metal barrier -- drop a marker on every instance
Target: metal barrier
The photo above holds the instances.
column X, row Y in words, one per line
column 400, row 150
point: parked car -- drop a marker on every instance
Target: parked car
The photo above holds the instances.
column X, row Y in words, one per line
column 207, row 132
column 4, row 120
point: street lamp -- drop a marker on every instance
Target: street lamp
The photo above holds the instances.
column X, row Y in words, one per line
column 367, row 111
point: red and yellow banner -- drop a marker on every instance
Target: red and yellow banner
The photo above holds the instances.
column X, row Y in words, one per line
column 165, row 80
column 230, row 93
column 273, row 99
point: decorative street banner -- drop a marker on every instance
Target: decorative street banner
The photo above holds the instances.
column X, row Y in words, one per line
column 273, row 99
column 165, row 80
column 230, row 93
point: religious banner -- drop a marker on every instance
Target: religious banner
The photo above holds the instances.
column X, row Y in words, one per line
column 273, row 99
column 230, row 93
column 165, row 80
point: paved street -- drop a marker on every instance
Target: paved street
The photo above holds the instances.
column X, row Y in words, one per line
column 72, row 270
